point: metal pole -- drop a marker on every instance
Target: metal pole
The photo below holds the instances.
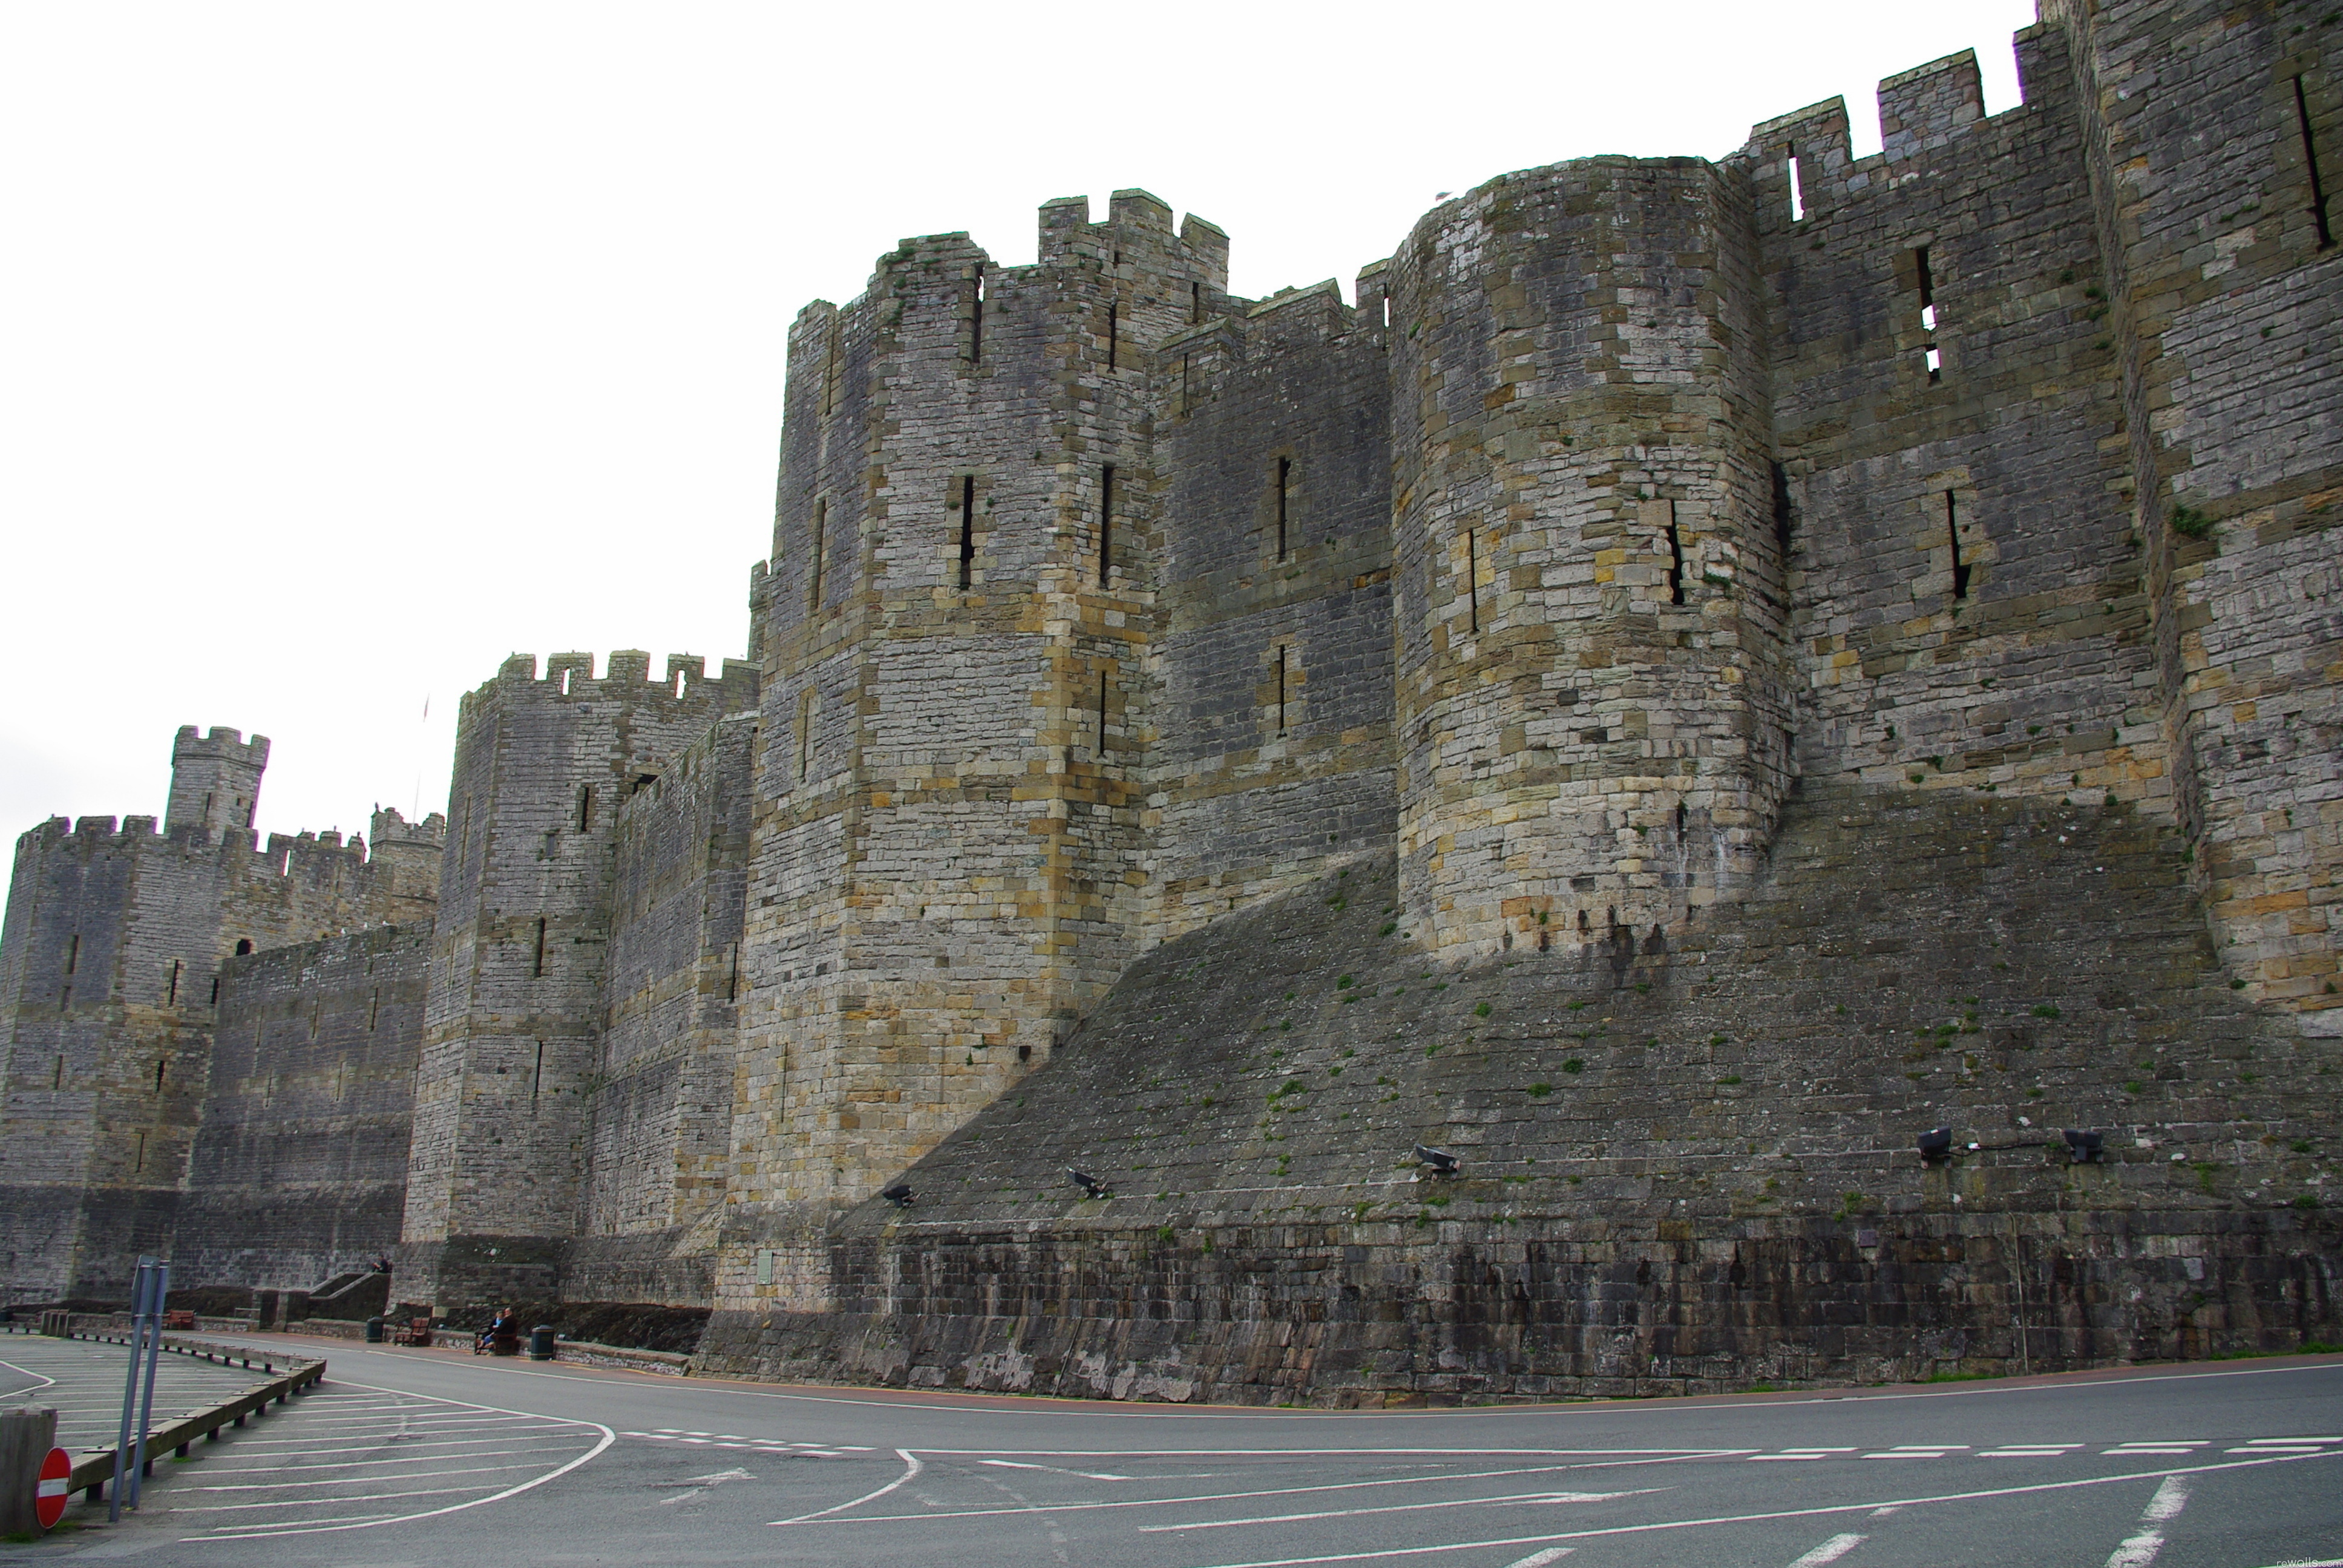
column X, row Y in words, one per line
column 157, row 1291
column 129, row 1392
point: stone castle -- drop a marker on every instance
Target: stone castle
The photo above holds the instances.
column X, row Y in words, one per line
column 1813, row 646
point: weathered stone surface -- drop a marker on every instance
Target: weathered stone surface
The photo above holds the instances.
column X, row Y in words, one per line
column 1814, row 646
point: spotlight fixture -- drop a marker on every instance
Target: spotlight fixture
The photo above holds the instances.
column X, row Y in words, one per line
column 900, row 1194
column 1935, row 1145
column 1443, row 1163
column 1090, row 1185
column 2085, row 1148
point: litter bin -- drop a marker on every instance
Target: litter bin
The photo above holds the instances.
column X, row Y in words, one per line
column 540, row 1343
column 374, row 1330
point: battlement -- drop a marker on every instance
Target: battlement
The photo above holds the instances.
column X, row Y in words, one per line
column 626, row 677
column 1138, row 228
column 389, row 827
column 1923, row 114
column 220, row 741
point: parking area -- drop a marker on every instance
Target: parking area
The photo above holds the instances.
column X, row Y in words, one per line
column 84, row 1380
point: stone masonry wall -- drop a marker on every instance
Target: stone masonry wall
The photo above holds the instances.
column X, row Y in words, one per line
column 1969, row 610
column 2212, row 131
column 514, row 1013
column 661, row 1097
column 1685, row 1166
column 298, row 1170
column 1269, row 756
column 112, row 956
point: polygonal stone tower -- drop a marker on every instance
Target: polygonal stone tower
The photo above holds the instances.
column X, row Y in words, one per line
column 945, row 872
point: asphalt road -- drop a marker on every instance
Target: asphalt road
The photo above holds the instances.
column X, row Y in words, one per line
column 436, row 1457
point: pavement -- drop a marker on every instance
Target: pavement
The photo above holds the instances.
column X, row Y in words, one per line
column 410, row 1456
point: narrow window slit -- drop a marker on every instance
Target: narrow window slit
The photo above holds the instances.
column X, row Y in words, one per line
column 537, row 1080
column 976, row 321
column 1797, row 190
column 1675, row 558
column 73, row 954
column 1102, row 716
column 1929, row 354
column 173, row 998
column 2311, row 163
column 805, row 733
column 373, row 1007
column 142, row 1154
column 57, row 1077
column 821, row 547
column 585, row 806
column 1113, row 335
column 161, row 1063
column 967, row 529
column 732, row 984
column 537, row 965
column 1281, row 688
column 1284, row 476
column 1106, row 522
column 1195, row 303
column 1782, row 512
column 214, row 990
column 565, row 673
column 1472, row 579
column 1952, row 533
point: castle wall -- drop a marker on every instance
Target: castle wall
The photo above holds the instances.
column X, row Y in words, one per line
column 115, row 938
column 1968, row 605
column 513, row 1015
column 661, row 1096
column 2224, row 290
column 1592, row 706
column 1269, row 755
column 298, row 1168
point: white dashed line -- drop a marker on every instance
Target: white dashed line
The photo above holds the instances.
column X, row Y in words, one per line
column 1830, row 1551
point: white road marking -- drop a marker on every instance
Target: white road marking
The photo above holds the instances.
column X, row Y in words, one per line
column 1875, row 1507
column 1240, row 1497
column 1803, row 1453
column 1540, row 1558
column 911, row 1468
column 2140, row 1550
column 1830, row 1551
column 38, row 1380
column 2031, row 1451
column 2318, row 1562
column 1918, row 1450
column 316, row 1527
column 1054, row 1470
column 1518, row 1497
column 352, row 1480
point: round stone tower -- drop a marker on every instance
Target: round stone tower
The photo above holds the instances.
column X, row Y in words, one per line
column 1591, row 709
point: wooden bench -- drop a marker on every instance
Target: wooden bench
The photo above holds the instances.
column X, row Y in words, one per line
column 417, row 1332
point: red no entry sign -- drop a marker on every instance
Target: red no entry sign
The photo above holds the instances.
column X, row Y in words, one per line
column 50, row 1498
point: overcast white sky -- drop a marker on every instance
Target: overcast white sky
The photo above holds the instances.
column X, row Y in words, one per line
column 345, row 350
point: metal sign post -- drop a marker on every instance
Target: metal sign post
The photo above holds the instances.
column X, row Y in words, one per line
column 129, row 1387
column 146, row 1291
column 159, row 1286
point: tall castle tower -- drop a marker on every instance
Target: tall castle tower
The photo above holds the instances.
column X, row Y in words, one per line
column 953, row 627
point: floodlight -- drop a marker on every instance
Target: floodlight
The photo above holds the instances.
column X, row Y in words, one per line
column 2085, row 1148
column 900, row 1194
column 1090, row 1185
column 1936, row 1144
column 1443, row 1163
